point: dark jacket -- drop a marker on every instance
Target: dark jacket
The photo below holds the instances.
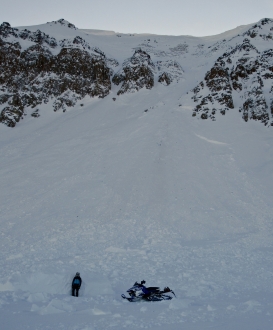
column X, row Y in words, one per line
column 77, row 281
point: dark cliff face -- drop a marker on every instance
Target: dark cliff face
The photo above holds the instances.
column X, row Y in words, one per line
column 137, row 72
column 35, row 75
column 244, row 71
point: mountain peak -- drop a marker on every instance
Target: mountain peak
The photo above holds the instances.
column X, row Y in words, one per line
column 65, row 23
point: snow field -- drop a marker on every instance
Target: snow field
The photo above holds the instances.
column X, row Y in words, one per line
column 122, row 195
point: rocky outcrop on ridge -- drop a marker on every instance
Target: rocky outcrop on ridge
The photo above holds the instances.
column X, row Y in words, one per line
column 263, row 29
column 39, row 37
column 64, row 23
column 169, row 71
column 243, row 71
column 137, row 72
column 31, row 76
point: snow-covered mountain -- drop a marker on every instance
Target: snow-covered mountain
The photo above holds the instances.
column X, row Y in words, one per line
column 156, row 164
column 58, row 63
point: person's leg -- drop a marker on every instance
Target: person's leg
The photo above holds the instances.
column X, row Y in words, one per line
column 73, row 290
column 77, row 291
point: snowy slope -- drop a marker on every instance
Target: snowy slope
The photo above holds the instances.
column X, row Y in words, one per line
column 135, row 189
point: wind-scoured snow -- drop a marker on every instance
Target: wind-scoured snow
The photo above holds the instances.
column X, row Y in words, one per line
column 133, row 187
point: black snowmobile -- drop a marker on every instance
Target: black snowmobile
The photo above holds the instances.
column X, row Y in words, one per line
column 138, row 292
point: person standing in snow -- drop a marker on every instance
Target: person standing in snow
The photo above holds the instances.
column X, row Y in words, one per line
column 76, row 284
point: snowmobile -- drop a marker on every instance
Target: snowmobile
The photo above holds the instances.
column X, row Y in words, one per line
column 139, row 292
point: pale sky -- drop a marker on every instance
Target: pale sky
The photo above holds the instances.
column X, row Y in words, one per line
column 168, row 17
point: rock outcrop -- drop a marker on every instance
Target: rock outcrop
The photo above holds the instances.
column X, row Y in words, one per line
column 263, row 29
column 169, row 71
column 137, row 72
column 64, row 23
column 36, row 74
column 243, row 74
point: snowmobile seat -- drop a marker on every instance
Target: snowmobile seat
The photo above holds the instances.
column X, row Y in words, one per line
column 150, row 290
column 153, row 288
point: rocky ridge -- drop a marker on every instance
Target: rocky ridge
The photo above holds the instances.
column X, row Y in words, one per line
column 243, row 74
column 35, row 75
column 38, row 68
column 65, row 71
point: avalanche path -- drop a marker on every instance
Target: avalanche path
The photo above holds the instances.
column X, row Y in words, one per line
column 122, row 194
